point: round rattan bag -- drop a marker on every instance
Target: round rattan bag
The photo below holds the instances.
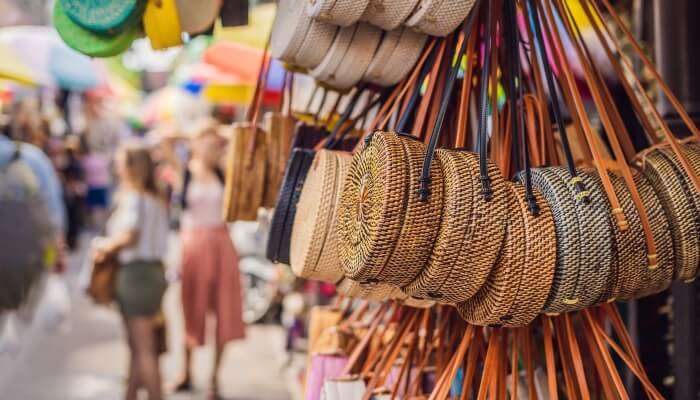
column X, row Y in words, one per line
column 492, row 303
column 337, row 12
column 396, row 56
column 439, row 17
column 388, row 14
column 385, row 233
column 674, row 192
column 471, row 231
column 313, row 251
column 245, row 175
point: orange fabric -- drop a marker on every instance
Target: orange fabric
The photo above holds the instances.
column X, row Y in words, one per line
column 211, row 284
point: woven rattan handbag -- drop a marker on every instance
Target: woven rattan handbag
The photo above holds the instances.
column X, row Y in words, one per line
column 280, row 128
column 388, row 14
column 337, row 12
column 674, row 191
column 395, row 57
column 517, row 286
column 307, row 137
column 313, row 252
column 349, row 56
column 439, row 17
column 297, row 38
column 247, row 160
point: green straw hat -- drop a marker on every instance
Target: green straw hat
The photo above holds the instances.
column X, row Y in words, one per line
column 104, row 16
column 88, row 42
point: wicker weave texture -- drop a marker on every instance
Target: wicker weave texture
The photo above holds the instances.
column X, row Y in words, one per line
column 568, row 238
column 337, row 12
column 492, row 303
column 396, row 56
column 597, row 241
column 660, row 278
column 318, row 39
column 540, row 261
column 672, row 191
column 313, row 251
column 289, row 29
column 245, row 177
column 357, row 58
column 388, row 14
column 471, row 232
column 371, row 207
column 439, row 17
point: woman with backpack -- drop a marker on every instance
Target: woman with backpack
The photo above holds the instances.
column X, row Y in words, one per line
column 137, row 233
column 210, row 276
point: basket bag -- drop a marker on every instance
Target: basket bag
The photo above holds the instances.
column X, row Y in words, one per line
column 337, row 12
column 388, row 14
column 395, row 57
column 349, row 56
column 313, row 252
column 297, row 38
column 439, row 17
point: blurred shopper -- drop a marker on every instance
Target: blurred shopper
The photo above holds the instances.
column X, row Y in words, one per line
column 31, row 219
column 137, row 231
column 210, row 276
column 74, row 189
column 98, row 179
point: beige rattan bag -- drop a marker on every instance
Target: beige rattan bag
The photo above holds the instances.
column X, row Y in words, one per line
column 313, row 248
column 388, row 14
column 349, row 56
column 245, row 172
column 297, row 38
column 396, row 56
column 439, row 17
column 337, row 12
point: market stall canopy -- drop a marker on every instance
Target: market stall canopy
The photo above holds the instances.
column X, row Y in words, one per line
column 49, row 60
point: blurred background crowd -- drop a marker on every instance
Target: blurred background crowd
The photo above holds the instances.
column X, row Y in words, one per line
column 74, row 121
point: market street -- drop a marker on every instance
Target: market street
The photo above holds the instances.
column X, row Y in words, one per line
column 89, row 360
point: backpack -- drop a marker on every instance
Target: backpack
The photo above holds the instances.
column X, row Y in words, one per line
column 26, row 233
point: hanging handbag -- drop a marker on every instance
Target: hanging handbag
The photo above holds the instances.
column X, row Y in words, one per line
column 102, row 280
column 397, row 54
column 439, row 17
column 348, row 57
column 161, row 24
column 385, row 227
column 297, row 38
column 313, row 252
column 244, row 187
column 337, row 12
column 388, row 14
column 280, row 127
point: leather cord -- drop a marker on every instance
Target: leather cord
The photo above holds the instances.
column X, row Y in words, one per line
column 535, row 24
column 424, row 189
column 482, row 141
column 515, row 92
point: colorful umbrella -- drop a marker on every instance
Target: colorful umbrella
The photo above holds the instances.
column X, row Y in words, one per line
column 48, row 59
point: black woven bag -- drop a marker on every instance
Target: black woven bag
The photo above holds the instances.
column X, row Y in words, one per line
column 282, row 220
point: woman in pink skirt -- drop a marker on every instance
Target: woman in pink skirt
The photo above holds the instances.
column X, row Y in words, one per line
column 210, row 278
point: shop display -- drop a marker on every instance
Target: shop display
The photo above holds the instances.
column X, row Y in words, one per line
column 496, row 202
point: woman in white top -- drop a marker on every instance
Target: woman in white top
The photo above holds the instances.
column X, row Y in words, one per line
column 137, row 233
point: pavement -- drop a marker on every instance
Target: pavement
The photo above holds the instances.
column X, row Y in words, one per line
column 87, row 359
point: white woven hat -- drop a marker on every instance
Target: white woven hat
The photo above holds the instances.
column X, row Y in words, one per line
column 396, row 56
column 337, row 12
column 388, row 14
column 349, row 56
column 439, row 17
